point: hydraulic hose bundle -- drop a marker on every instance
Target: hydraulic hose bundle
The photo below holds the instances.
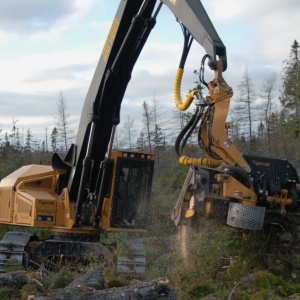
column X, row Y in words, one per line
column 186, row 132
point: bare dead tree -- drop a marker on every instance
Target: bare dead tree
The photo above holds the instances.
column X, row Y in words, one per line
column 62, row 121
column 147, row 118
column 267, row 107
column 244, row 108
column 129, row 133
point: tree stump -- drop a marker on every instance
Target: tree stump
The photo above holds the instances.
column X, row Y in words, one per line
column 18, row 279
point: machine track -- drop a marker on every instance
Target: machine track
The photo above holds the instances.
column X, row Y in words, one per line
column 12, row 248
column 22, row 248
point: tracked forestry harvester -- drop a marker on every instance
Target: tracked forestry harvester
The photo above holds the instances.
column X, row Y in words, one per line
column 83, row 194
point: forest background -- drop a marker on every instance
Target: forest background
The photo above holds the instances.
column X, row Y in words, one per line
column 260, row 124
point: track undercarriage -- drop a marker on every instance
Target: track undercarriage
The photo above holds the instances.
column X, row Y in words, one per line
column 22, row 249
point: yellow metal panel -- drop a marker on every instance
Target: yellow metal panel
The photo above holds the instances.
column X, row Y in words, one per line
column 6, row 205
column 23, row 212
column 37, row 194
column 30, row 203
column 26, row 172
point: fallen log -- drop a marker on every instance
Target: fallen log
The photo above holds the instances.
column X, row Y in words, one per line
column 92, row 279
column 18, row 279
column 154, row 289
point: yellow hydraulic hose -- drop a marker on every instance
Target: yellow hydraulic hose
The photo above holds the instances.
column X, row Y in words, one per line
column 185, row 160
column 177, row 92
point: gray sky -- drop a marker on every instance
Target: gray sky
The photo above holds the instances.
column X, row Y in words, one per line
column 48, row 46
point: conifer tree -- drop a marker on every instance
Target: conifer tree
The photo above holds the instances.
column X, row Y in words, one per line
column 141, row 141
column 18, row 144
column 290, row 98
column 29, row 139
column 54, row 135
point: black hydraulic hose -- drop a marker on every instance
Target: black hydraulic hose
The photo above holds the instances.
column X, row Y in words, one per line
column 86, row 171
column 209, row 135
column 181, row 135
column 105, row 171
column 200, row 144
column 240, row 175
column 99, row 178
column 188, row 39
column 201, row 73
column 191, row 129
column 210, row 113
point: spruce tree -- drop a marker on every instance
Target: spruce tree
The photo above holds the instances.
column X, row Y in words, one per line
column 29, row 140
column 290, row 99
column 54, row 136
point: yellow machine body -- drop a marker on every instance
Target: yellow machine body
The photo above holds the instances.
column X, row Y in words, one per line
column 28, row 197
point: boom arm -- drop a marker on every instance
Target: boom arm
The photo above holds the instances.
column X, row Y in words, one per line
column 130, row 29
column 193, row 16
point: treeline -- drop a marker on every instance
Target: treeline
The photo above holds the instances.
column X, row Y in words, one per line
column 19, row 147
column 277, row 130
column 260, row 124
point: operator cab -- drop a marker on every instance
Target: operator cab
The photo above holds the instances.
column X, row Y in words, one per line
column 130, row 191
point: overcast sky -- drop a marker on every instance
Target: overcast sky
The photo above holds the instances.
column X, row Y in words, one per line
column 48, row 46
